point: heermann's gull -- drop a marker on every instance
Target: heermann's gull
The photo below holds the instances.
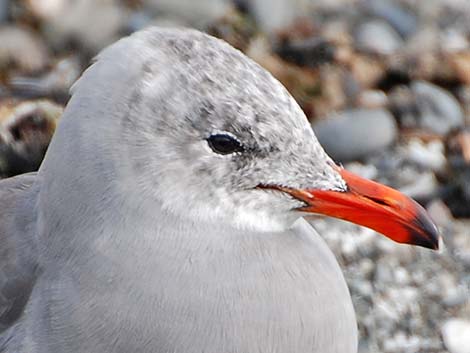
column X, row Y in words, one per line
column 165, row 217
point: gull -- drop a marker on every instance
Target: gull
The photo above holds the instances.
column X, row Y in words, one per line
column 167, row 215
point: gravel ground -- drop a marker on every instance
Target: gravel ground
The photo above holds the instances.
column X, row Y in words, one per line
column 404, row 297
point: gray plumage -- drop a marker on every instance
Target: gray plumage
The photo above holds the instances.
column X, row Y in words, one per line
column 136, row 237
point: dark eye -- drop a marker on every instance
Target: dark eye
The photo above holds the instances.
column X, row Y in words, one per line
column 224, row 144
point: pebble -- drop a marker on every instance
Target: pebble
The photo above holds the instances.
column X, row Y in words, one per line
column 368, row 171
column 429, row 156
column 192, row 13
column 456, row 335
column 56, row 82
column 462, row 253
column 4, row 5
column 402, row 276
column 453, row 41
column 355, row 243
column 311, row 52
column 138, row 20
column 387, row 310
column 400, row 343
column 372, row 99
column 366, row 267
column 367, row 70
column 464, row 94
column 439, row 111
column 378, row 37
column 363, row 288
column 92, row 23
column 25, row 131
column 354, row 134
column 44, row 8
column 424, row 40
column 383, row 274
column 402, row 20
column 423, row 188
column 439, row 213
column 461, row 64
column 22, row 48
column 281, row 14
column 456, row 295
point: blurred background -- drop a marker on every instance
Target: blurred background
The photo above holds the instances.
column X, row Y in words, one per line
column 385, row 84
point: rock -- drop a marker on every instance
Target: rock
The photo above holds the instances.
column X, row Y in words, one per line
column 25, row 131
column 281, row 14
column 429, row 156
column 400, row 342
column 237, row 29
column 363, row 288
column 449, row 289
column 439, row 111
column 402, row 103
column 456, row 335
column 197, row 14
column 387, row 310
column 402, row 20
column 311, row 52
column 461, row 242
column 461, row 64
column 367, row 70
column 300, row 82
column 55, row 82
column 44, row 8
column 354, row 134
column 377, row 37
column 424, row 40
column 368, row 171
column 372, row 99
column 453, row 41
column 356, row 244
column 456, row 295
column 422, row 188
column 366, row 268
column 402, row 276
column 463, row 94
column 457, row 196
column 4, row 92
column 92, row 23
column 4, row 9
column 383, row 275
column 22, row 48
column 440, row 213
column 138, row 20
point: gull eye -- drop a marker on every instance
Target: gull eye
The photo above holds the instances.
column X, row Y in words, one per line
column 224, row 144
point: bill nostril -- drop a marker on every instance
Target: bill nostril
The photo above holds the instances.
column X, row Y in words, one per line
column 382, row 202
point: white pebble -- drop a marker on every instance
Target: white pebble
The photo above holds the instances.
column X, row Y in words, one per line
column 456, row 335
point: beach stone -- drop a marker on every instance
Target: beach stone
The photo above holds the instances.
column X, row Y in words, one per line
column 354, row 134
column 197, row 14
column 378, row 37
column 4, row 7
column 456, row 335
column 22, row 48
column 439, row 111
column 402, row 20
column 91, row 23
column 281, row 14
